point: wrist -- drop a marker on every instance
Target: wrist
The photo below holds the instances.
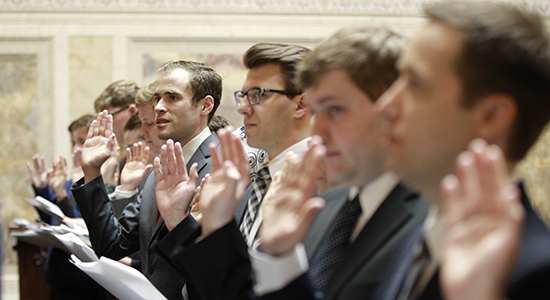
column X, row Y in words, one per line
column 127, row 187
column 91, row 174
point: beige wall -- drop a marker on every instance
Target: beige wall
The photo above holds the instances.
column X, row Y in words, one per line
column 57, row 56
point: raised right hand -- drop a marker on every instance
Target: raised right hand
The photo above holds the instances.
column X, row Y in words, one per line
column 98, row 146
column 39, row 174
column 136, row 168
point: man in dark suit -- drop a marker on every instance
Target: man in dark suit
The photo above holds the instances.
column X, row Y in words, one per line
column 342, row 79
column 477, row 71
column 188, row 94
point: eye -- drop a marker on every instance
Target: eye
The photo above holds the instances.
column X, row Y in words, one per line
column 173, row 97
column 334, row 110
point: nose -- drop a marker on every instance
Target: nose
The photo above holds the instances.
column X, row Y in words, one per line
column 160, row 107
column 388, row 103
column 244, row 107
column 319, row 127
column 143, row 130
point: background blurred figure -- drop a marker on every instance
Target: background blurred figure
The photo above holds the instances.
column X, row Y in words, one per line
column 119, row 100
column 66, row 280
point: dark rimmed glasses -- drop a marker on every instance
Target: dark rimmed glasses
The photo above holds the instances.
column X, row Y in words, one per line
column 254, row 95
column 120, row 110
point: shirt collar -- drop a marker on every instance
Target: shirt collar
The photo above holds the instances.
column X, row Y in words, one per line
column 194, row 144
column 277, row 162
column 371, row 197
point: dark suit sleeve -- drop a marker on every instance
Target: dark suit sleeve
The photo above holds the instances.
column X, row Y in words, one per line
column 220, row 260
column 109, row 237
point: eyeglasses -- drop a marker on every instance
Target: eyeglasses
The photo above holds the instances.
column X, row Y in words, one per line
column 119, row 111
column 254, row 95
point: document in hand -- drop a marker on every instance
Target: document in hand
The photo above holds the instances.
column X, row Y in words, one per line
column 124, row 282
column 46, row 206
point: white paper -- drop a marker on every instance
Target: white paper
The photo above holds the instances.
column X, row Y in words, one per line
column 46, row 206
column 124, row 282
column 76, row 246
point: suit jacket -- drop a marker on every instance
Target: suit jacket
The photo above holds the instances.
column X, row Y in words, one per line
column 528, row 281
column 133, row 231
column 221, row 259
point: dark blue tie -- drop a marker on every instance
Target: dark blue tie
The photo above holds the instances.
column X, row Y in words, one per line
column 334, row 244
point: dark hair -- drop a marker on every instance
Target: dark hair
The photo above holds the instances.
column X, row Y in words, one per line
column 133, row 123
column 286, row 56
column 217, row 123
column 204, row 81
column 118, row 94
column 505, row 50
column 369, row 55
column 146, row 95
column 83, row 122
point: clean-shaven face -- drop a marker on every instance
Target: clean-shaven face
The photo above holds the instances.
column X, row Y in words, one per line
column 347, row 121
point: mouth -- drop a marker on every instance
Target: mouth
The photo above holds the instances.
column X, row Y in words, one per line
column 161, row 123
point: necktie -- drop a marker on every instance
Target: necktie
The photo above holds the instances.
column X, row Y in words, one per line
column 259, row 184
column 334, row 244
column 418, row 266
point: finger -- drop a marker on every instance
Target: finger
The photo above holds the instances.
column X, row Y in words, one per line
column 93, row 131
column 468, row 177
column 452, row 201
column 146, row 152
column 102, row 123
column 242, row 164
column 63, row 162
column 129, row 156
column 181, row 167
column 513, row 205
column 157, row 171
column 108, row 125
column 170, row 158
column 163, row 158
column 215, row 157
column 193, row 175
column 225, row 146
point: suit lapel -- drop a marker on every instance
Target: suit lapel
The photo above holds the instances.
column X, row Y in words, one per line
column 201, row 156
column 239, row 211
column 371, row 239
column 335, row 199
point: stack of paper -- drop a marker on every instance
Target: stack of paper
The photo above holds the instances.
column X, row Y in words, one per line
column 124, row 282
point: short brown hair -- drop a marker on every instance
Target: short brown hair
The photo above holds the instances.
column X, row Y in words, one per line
column 217, row 123
column 368, row 54
column 146, row 94
column 505, row 50
column 83, row 122
column 118, row 94
column 204, row 81
column 286, row 56
column 133, row 123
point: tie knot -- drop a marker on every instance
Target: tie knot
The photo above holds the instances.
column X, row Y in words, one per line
column 353, row 207
column 263, row 175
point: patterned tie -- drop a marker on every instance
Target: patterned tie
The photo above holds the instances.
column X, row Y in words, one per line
column 259, row 184
column 334, row 244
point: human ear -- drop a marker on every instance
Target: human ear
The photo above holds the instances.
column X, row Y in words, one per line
column 133, row 109
column 301, row 107
column 495, row 116
column 207, row 105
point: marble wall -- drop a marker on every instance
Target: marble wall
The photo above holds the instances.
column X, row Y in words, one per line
column 57, row 56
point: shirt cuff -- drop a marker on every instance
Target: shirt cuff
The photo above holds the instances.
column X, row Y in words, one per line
column 124, row 194
column 274, row 273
